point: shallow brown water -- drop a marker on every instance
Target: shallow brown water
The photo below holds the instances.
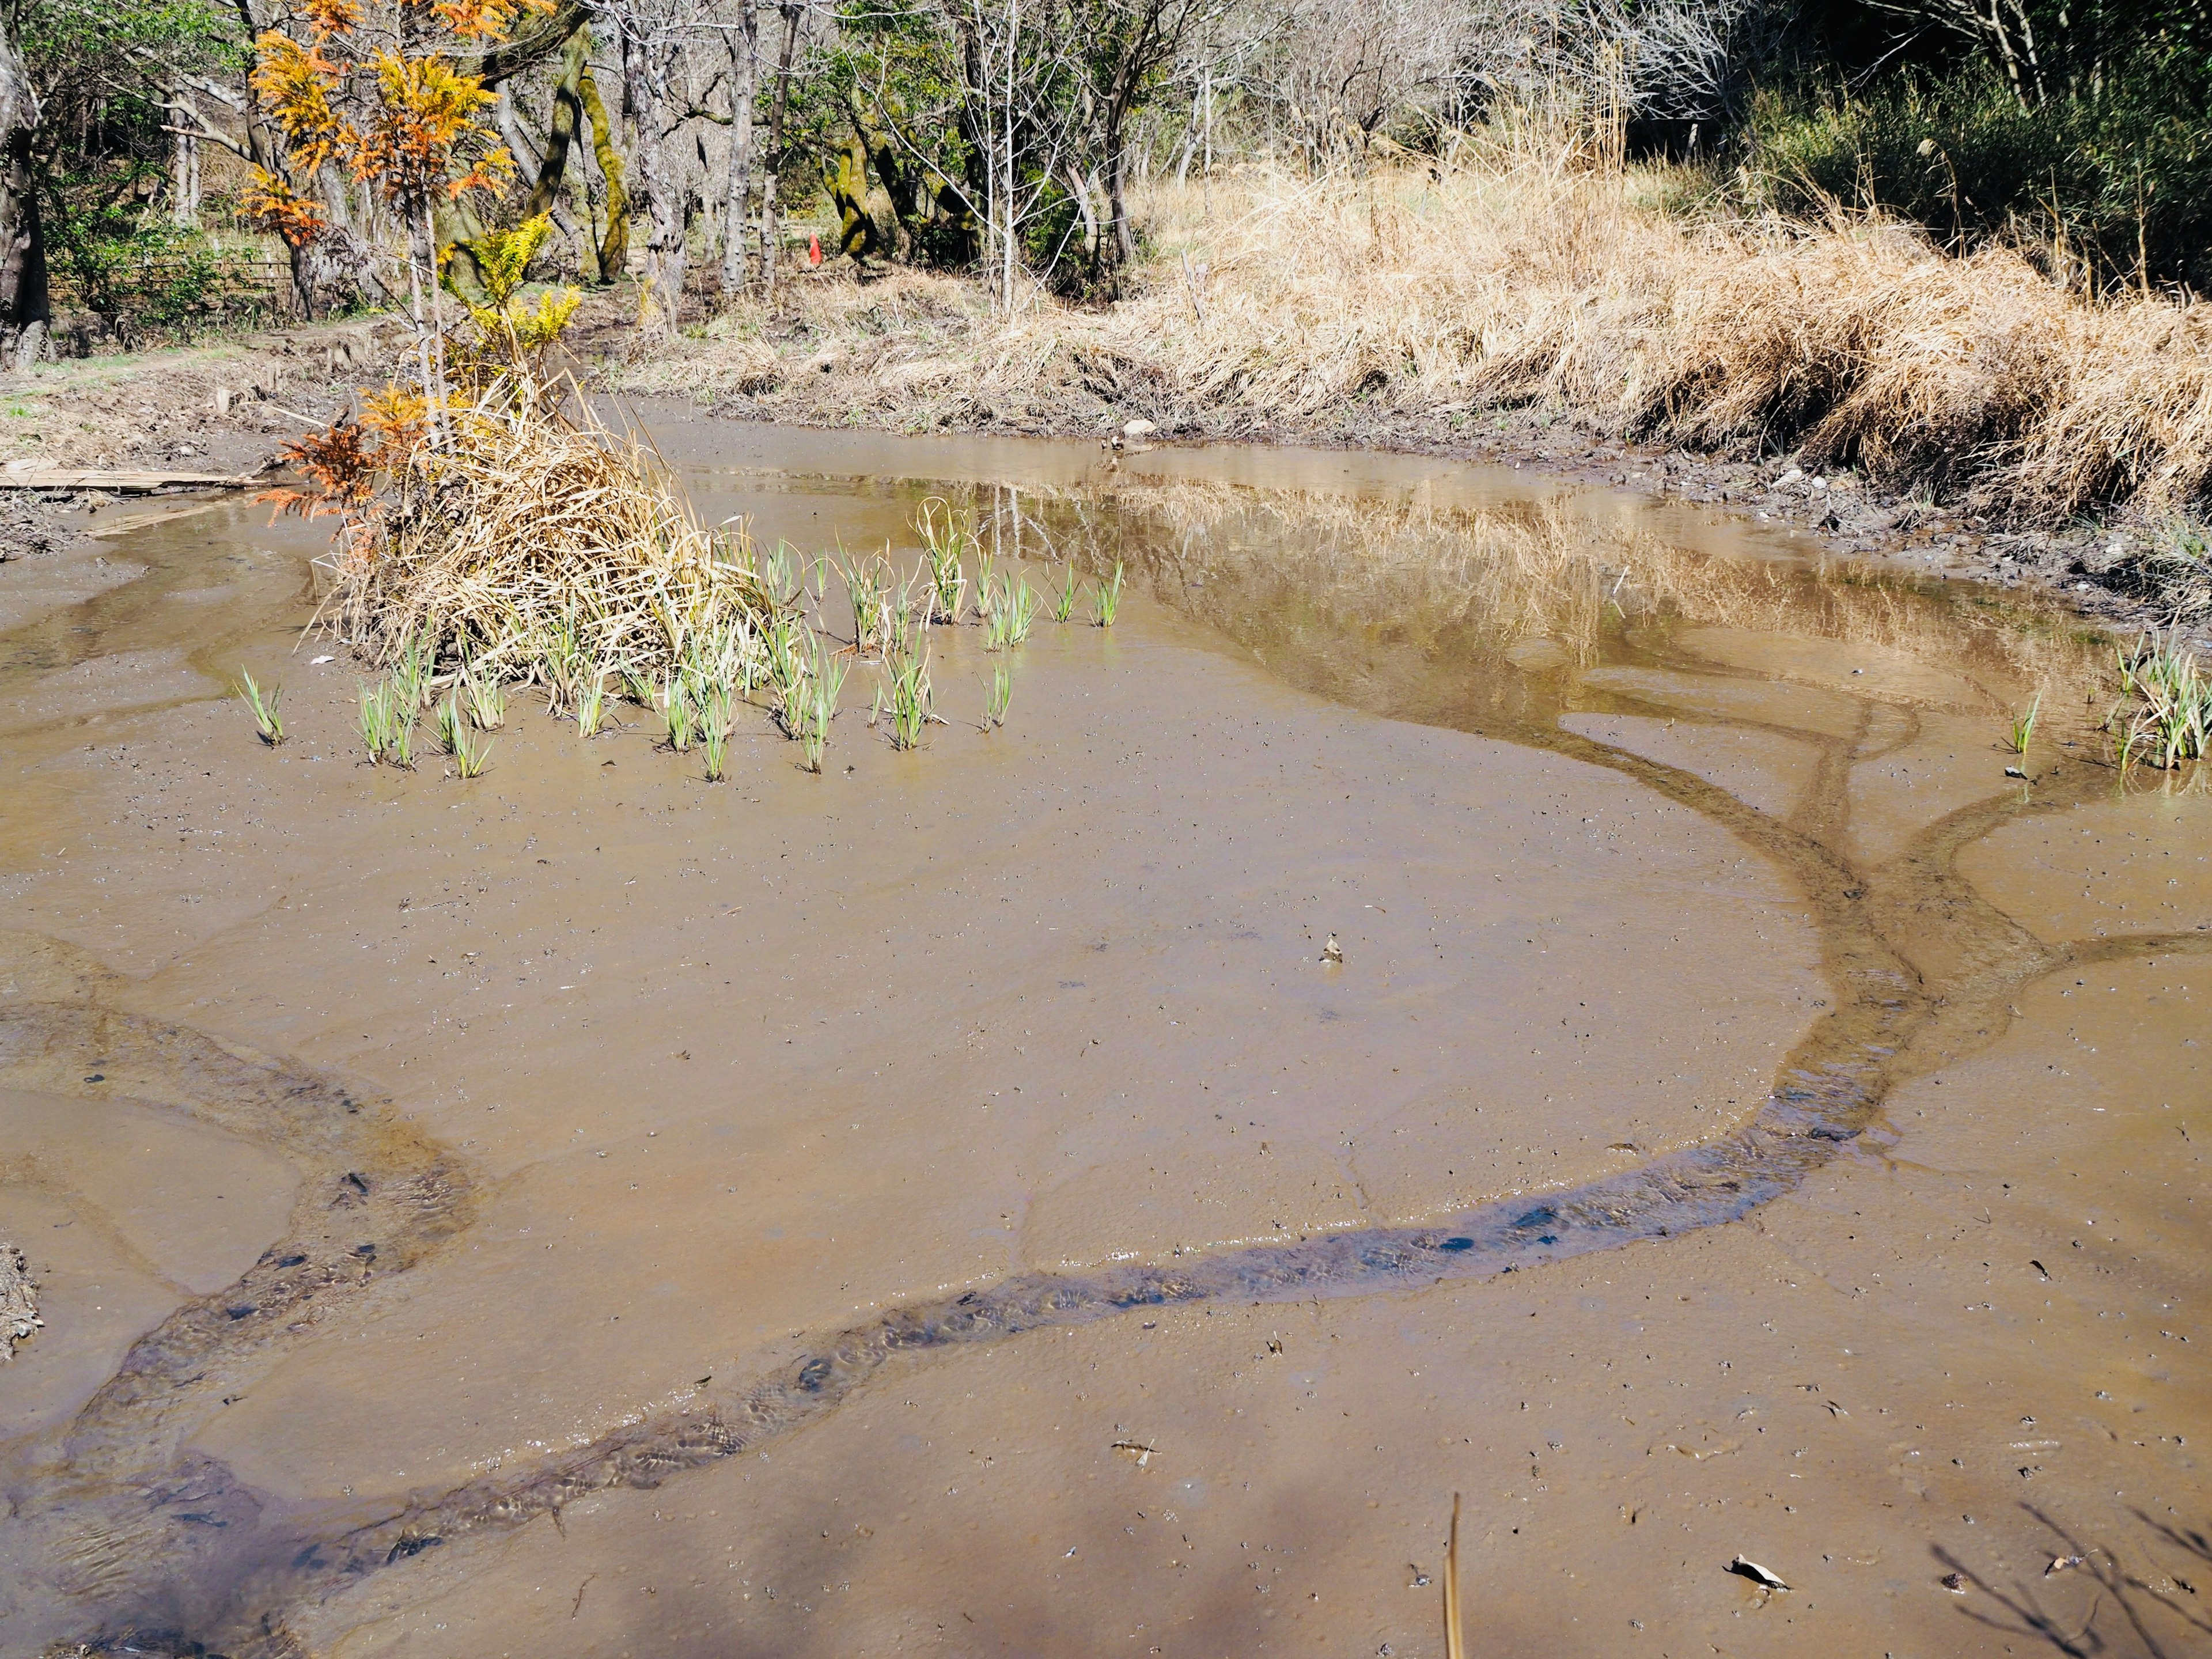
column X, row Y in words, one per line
column 948, row 1203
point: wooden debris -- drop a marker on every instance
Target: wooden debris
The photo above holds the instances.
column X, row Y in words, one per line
column 18, row 1301
column 37, row 475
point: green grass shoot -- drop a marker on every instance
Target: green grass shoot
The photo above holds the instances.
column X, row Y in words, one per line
column 1106, row 600
column 265, row 705
column 910, row 694
column 1063, row 603
column 676, row 714
column 487, row 702
column 592, row 706
column 1000, row 694
column 714, row 728
column 2023, row 725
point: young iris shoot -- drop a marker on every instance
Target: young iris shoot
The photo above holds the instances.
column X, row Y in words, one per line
column 1018, row 613
column 1063, row 602
column 714, row 728
column 267, row 720
column 453, row 731
column 386, row 732
column 468, row 758
column 1000, row 694
column 946, row 535
column 591, row 706
column 2023, row 725
column 1106, row 599
column 487, row 700
column 677, row 714
column 910, row 693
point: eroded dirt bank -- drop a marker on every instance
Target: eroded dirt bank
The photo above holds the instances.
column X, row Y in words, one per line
column 618, row 1117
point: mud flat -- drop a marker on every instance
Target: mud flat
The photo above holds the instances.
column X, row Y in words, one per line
column 949, row 1202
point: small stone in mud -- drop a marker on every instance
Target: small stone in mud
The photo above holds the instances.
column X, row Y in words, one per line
column 1955, row 1582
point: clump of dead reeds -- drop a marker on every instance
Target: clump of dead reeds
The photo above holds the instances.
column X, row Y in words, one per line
column 533, row 545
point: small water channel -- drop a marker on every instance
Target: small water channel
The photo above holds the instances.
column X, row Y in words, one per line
column 438, row 1188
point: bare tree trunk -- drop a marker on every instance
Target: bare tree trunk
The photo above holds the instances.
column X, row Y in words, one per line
column 744, row 68
column 185, row 166
column 25, row 306
column 792, row 14
column 660, row 301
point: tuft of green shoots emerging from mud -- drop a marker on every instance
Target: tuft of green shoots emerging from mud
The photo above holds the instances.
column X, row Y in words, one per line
column 1106, row 600
column 998, row 696
column 988, row 593
column 946, row 536
column 468, row 758
column 1011, row 616
column 2021, row 732
column 453, row 731
column 867, row 585
column 412, row 673
column 1021, row 611
column 487, row 700
column 265, row 705
column 910, row 690
column 387, row 727
column 1063, row 602
column 399, row 747
column 2165, row 716
column 679, row 717
column 592, row 706
column 714, row 728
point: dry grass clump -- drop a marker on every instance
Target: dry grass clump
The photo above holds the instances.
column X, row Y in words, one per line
column 1506, row 280
column 1515, row 276
column 531, row 545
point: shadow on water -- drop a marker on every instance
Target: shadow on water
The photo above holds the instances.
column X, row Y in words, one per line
column 1482, row 620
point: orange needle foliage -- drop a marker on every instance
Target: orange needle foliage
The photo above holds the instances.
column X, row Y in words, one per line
column 402, row 121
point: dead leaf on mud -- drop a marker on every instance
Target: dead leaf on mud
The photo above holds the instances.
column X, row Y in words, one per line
column 1700, row 1454
column 1744, row 1567
column 1137, row 1450
column 2060, row 1563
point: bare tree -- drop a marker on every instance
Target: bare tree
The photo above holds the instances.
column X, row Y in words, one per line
column 25, row 308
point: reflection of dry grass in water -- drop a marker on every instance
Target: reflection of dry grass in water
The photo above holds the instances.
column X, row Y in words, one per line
column 530, row 546
column 1503, row 575
column 1512, row 275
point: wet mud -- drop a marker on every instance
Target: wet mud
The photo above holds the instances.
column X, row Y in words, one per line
column 1753, row 810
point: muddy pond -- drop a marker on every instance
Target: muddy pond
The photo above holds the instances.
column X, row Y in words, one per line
column 960, row 1201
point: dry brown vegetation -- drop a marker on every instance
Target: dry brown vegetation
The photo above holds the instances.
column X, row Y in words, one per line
column 1519, row 276
column 532, row 546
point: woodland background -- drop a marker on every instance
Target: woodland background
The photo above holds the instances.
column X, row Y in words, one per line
column 695, row 147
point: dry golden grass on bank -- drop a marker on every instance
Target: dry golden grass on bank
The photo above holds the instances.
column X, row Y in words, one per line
column 1501, row 280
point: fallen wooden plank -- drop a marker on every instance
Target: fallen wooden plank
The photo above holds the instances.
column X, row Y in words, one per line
column 128, row 522
column 15, row 476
